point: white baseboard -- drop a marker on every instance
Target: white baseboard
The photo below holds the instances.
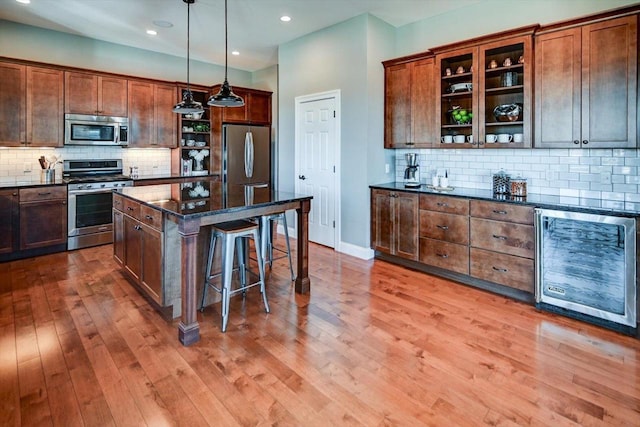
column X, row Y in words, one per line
column 343, row 247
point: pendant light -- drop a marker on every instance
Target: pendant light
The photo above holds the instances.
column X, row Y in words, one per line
column 226, row 97
column 188, row 105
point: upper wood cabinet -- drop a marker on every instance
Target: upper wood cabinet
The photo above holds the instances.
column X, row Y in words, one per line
column 409, row 108
column 31, row 106
column 94, row 94
column 586, row 85
column 152, row 123
column 473, row 80
column 256, row 109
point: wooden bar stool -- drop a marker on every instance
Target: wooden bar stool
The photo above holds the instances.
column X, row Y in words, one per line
column 267, row 242
column 232, row 235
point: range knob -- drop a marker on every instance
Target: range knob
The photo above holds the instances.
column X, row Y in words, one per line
column 103, row 185
column 88, row 186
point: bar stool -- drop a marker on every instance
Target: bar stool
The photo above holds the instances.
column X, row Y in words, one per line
column 232, row 235
column 267, row 242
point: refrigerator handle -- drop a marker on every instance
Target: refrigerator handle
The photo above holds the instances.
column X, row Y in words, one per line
column 248, row 154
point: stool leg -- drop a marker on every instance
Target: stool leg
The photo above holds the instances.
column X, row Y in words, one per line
column 263, row 289
column 264, row 237
column 242, row 259
column 286, row 235
column 227, row 271
column 207, row 276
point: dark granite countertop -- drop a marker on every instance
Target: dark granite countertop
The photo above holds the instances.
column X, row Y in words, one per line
column 146, row 179
column 18, row 183
column 597, row 206
column 205, row 197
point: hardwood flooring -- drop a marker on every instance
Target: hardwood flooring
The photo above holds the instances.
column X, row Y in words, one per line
column 374, row 344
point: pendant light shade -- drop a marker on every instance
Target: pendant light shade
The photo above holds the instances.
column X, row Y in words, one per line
column 188, row 104
column 226, row 97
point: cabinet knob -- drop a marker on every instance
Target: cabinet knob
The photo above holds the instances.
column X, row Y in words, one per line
column 575, row 141
column 302, row 177
column 585, row 142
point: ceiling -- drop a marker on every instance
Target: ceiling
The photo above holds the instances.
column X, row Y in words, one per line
column 255, row 29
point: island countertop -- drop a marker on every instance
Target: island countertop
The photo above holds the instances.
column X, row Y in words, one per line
column 190, row 207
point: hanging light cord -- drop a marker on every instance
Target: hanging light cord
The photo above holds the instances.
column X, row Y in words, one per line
column 188, row 43
column 226, row 37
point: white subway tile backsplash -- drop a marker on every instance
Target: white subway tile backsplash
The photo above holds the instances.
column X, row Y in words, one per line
column 563, row 172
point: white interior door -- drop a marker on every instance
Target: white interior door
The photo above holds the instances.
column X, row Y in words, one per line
column 316, row 148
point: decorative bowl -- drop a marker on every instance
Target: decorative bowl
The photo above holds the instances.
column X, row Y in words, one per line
column 193, row 116
column 507, row 112
column 460, row 116
column 460, row 87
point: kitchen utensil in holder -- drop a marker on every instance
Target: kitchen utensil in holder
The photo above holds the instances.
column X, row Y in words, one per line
column 501, row 183
column 48, row 176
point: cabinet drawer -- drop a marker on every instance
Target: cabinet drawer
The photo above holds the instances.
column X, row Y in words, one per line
column 151, row 217
column 502, row 211
column 42, row 193
column 444, row 204
column 118, row 202
column 445, row 255
column 444, row 226
column 507, row 270
column 131, row 208
column 505, row 237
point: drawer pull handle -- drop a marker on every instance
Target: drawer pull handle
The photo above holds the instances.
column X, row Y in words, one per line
column 443, row 227
column 137, row 227
column 501, row 270
column 443, row 255
column 44, row 194
column 148, row 217
column 499, row 212
column 129, row 208
column 495, row 236
column 444, row 205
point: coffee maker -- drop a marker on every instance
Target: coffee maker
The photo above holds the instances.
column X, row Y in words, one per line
column 411, row 173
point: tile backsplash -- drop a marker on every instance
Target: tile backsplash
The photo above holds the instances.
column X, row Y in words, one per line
column 609, row 174
column 21, row 164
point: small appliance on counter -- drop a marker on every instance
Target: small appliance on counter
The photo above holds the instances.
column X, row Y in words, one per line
column 412, row 173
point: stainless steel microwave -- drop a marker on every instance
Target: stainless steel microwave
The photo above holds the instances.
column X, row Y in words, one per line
column 80, row 129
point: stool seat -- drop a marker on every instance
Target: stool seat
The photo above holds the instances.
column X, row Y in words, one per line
column 233, row 235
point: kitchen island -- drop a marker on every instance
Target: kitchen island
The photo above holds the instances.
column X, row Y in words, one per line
column 176, row 218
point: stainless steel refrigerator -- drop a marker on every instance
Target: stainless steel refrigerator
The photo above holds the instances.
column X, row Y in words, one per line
column 246, row 162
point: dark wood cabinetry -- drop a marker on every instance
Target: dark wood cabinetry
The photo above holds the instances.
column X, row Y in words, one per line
column 8, row 209
column 32, row 98
column 43, row 217
column 95, row 94
column 256, row 109
column 152, row 122
column 394, row 223
column 586, row 85
column 410, row 120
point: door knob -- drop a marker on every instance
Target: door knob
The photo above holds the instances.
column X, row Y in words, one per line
column 302, row 177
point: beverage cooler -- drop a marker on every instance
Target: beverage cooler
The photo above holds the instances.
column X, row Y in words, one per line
column 586, row 267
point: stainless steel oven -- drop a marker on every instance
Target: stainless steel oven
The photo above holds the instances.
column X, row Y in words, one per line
column 90, row 186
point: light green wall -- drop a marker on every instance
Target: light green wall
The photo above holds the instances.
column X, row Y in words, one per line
column 339, row 58
column 37, row 44
column 493, row 16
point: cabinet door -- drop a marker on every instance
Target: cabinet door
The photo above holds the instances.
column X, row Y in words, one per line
column 80, row 93
column 13, row 84
column 558, row 89
column 609, row 83
column 141, row 114
column 382, row 221
column 259, row 108
column 43, row 223
column 397, row 106
column 45, row 107
column 133, row 247
column 112, row 97
column 8, row 203
column 236, row 114
column 406, row 225
column 166, row 121
column 118, row 236
column 152, row 257
column 423, row 105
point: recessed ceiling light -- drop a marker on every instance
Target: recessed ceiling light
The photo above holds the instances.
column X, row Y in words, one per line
column 285, row 18
column 235, row 52
column 24, row 1
column 163, row 24
column 152, row 32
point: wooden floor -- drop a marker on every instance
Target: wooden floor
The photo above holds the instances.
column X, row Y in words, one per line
column 374, row 345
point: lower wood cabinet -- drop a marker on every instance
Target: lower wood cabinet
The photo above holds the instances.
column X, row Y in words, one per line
column 448, row 256
column 8, row 209
column 507, row 270
column 43, row 217
column 394, row 223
